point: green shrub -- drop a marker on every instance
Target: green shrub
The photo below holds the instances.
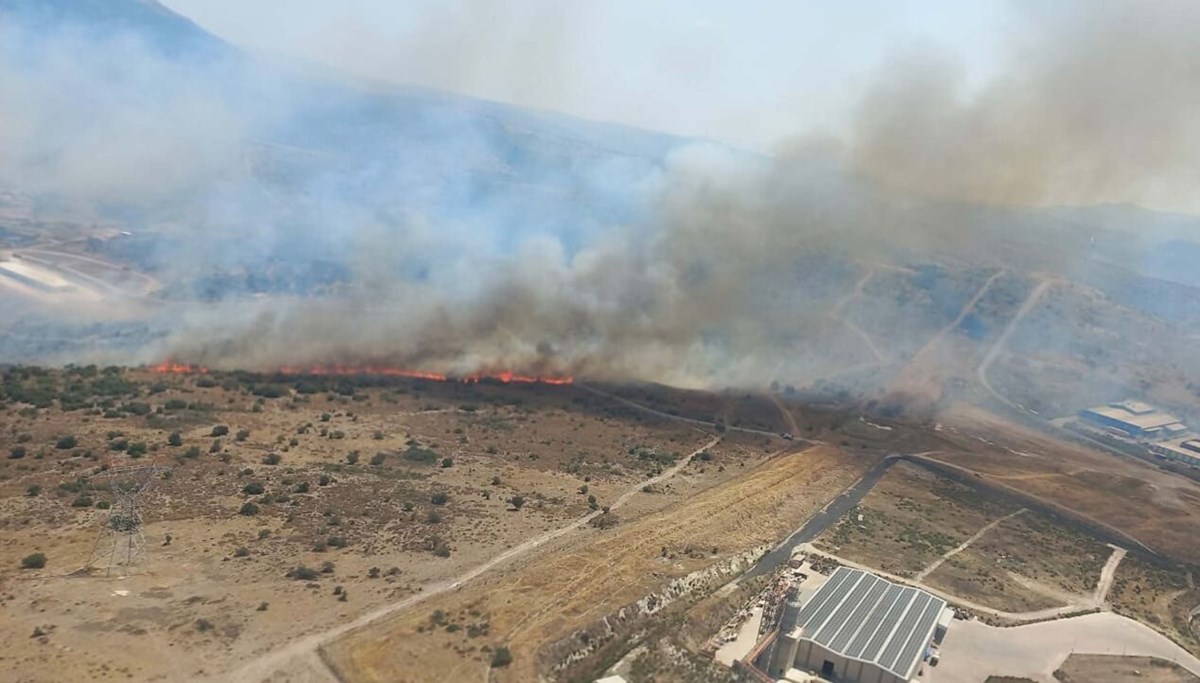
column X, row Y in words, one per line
column 501, row 657
column 439, row 498
column 34, row 561
column 254, row 488
column 175, row 439
column 219, row 430
column 66, row 443
column 248, row 509
column 302, row 573
column 16, row 452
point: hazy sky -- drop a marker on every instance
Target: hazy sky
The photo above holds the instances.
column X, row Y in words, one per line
column 751, row 72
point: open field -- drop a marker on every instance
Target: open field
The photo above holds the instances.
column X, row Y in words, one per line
column 1154, row 507
column 910, row 520
column 574, row 588
column 1116, row 669
column 1026, row 563
column 378, row 487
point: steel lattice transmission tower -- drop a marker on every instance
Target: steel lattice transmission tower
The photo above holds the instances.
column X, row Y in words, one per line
column 121, row 540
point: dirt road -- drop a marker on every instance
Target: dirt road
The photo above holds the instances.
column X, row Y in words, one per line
column 1030, row 301
column 582, row 582
column 1106, row 576
column 305, row 648
column 679, row 418
column 933, row 566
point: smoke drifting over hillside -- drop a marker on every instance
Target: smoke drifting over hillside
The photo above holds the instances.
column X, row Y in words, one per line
column 457, row 237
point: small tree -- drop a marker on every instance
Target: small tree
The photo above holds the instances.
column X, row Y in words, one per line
column 175, row 439
column 501, row 657
column 272, row 459
column 34, row 561
column 302, row 573
column 254, row 488
column 219, row 430
column 16, row 453
column 517, row 502
column 439, row 498
column 248, row 509
column 66, row 443
column 33, row 490
column 352, row 458
column 447, row 463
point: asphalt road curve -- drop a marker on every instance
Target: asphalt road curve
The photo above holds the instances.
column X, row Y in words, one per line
column 825, row 518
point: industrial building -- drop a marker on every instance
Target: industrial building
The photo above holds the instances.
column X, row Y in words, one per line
column 859, row 628
column 1186, row 451
column 1135, row 419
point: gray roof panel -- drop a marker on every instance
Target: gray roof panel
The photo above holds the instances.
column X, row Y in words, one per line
column 870, row 619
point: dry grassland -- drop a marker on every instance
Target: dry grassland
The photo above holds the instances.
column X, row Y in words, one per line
column 589, row 577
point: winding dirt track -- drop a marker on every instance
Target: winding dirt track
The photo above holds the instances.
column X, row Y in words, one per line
column 981, row 372
column 305, row 648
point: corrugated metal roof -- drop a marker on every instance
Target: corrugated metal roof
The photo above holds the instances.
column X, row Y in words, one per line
column 861, row 616
column 1146, row 421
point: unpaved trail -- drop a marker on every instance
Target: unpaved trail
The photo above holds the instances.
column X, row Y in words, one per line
column 967, row 309
column 836, row 313
column 1038, row 615
column 689, row 420
column 784, row 412
column 965, row 544
column 306, row 647
column 1030, row 301
column 1107, row 575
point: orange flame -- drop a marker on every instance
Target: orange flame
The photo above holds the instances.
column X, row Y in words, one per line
column 170, row 367
column 505, row 377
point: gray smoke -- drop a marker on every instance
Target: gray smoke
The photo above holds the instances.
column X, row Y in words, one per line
column 1097, row 102
column 703, row 268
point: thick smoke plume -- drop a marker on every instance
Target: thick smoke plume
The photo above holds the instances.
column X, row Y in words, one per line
column 617, row 255
column 1098, row 102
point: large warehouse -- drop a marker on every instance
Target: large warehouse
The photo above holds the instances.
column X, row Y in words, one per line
column 1136, row 419
column 860, row 628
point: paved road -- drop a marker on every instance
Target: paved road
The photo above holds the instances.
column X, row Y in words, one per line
column 827, row 517
column 973, row 650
